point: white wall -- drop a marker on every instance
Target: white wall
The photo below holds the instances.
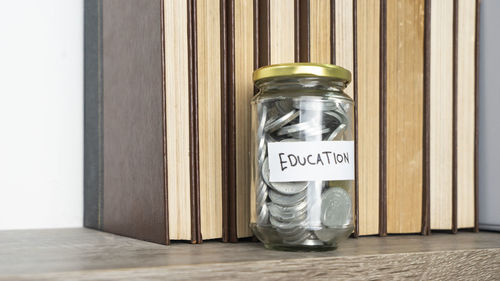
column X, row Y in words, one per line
column 41, row 113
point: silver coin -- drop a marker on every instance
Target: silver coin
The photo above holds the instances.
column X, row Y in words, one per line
column 284, row 106
column 287, row 214
column 262, row 120
column 286, row 225
column 290, row 140
column 316, row 104
column 263, row 215
column 297, row 239
column 265, row 171
column 336, row 207
column 262, row 150
column 262, row 192
column 295, row 128
column 289, row 188
column 337, row 134
column 274, row 125
column 312, row 132
column 286, row 200
column 338, row 116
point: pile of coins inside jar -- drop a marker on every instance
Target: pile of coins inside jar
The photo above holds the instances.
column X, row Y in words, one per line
column 301, row 212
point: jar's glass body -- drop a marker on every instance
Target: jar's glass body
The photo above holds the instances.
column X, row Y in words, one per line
column 302, row 125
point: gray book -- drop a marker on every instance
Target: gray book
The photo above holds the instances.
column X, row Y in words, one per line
column 489, row 125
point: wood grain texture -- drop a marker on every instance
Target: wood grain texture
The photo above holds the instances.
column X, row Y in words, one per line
column 320, row 31
column 344, row 39
column 466, row 112
column 368, row 97
column 209, row 117
column 404, row 105
column 282, row 29
column 441, row 113
column 83, row 254
column 244, row 65
column 134, row 191
column 177, row 104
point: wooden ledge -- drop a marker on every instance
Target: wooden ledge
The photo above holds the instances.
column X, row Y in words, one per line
column 83, row 254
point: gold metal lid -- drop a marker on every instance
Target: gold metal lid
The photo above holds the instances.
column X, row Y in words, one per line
column 303, row 69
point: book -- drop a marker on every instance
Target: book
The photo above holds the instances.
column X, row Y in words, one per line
column 320, row 37
column 404, row 115
column 367, row 92
column 488, row 85
column 244, row 65
column 465, row 121
column 210, row 126
column 154, row 119
column 441, row 114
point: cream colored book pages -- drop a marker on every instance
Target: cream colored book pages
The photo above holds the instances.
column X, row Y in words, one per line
column 209, row 117
column 368, row 96
column 243, row 69
column 405, row 114
column 282, row 29
column 177, row 102
column 441, row 113
column 320, row 33
column 344, row 46
column 465, row 112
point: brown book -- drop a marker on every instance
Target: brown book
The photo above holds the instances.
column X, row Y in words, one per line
column 154, row 153
column 403, row 82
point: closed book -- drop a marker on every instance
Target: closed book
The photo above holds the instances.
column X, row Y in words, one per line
column 489, row 127
column 403, row 102
column 154, row 125
column 367, row 92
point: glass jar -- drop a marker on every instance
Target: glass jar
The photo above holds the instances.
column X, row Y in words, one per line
column 303, row 152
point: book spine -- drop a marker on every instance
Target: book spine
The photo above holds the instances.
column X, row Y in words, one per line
column 93, row 131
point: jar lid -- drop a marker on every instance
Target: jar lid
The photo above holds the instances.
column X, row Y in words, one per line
column 303, row 70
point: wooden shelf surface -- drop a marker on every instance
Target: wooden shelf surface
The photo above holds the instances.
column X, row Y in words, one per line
column 84, row 254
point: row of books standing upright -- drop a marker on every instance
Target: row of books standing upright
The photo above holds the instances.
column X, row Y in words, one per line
column 168, row 86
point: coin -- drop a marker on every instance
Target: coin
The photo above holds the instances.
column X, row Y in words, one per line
column 289, row 188
column 274, row 125
column 263, row 215
column 265, row 171
column 285, row 225
column 336, row 207
column 287, row 213
column 284, row 106
column 295, row 128
column 337, row 134
column 286, row 200
column 338, row 116
column 311, row 132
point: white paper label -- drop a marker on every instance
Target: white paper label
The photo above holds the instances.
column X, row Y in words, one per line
column 311, row 161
